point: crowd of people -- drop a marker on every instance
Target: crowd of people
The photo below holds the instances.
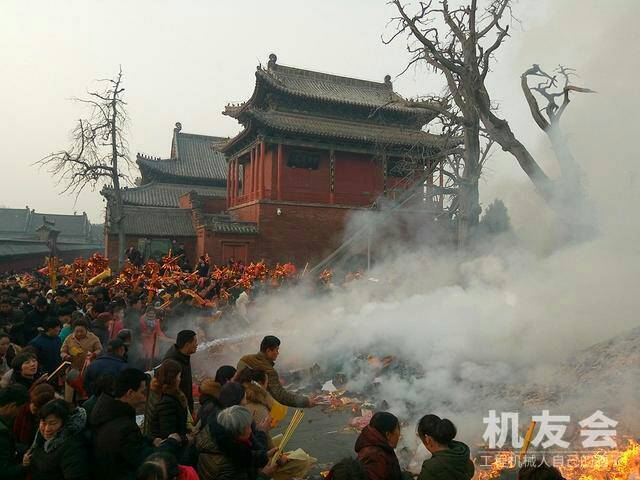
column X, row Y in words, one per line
column 80, row 365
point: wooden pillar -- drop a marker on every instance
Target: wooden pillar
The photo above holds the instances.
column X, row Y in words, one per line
column 332, row 176
column 235, row 180
column 280, row 172
column 229, row 182
column 261, row 170
column 252, row 161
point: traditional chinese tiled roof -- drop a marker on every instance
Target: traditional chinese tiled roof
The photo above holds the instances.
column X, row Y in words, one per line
column 14, row 219
column 163, row 194
column 12, row 248
column 342, row 129
column 195, row 156
column 225, row 224
column 156, row 221
column 328, row 88
column 24, row 223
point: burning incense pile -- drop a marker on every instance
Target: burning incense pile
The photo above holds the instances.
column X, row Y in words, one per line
column 622, row 463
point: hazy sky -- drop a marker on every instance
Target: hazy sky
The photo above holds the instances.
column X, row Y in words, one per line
column 183, row 61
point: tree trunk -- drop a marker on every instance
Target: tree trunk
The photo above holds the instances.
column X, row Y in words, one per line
column 569, row 168
column 469, row 197
column 501, row 133
column 115, row 176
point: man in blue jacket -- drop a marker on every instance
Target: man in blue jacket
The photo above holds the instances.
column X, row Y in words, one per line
column 111, row 362
column 48, row 346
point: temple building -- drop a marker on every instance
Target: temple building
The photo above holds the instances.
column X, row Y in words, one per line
column 177, row 199
column 314, row 148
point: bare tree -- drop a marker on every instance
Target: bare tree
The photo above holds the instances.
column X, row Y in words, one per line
column 460, row 43
column 552, row 89
column 462, row 56
column 98, row 152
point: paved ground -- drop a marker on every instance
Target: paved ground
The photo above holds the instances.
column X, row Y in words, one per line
column 321, row 435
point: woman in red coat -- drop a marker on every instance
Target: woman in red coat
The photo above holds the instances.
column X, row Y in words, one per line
column 25, row 426
column 375, row 447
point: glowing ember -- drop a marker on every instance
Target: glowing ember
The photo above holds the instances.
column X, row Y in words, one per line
column 619, row 464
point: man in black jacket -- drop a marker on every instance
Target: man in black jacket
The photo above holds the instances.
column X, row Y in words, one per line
column 12, row 399
column 185, row 346
column 118, row 444
column 35, row 319
column 110, row 362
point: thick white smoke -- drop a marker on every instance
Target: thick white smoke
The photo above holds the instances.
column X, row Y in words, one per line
column 492, row 329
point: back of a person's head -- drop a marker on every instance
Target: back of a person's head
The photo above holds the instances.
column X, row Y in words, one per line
column 184, row 337
column 384, row 422
column 224, row 374
column 40, row 394
column 235, row 420
column 15, row 393
column 100, row 307
column 114, row 345
column 269, row 342
column 442, row 430
column 539, row 470
column 50, row 323
column 167, row 373
column 105, row 383
column 159, row 466
column 231, row 394
column 128, row 379
column 347, row 469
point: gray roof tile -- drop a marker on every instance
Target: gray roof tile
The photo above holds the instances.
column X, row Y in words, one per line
column 344, row 129
column 25, row 223
column 196, row 157
column 330, row 87
column 164, row 194
column 13, row 219
column 157, row 221
column 225, row 224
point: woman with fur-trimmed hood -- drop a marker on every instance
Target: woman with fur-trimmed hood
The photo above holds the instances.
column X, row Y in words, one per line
column 169, row 414
column 259, row 400
column 210, row 393
column 60, row 450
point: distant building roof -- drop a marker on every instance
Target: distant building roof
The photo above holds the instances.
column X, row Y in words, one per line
column 14, row 219
column 10, row 247
column 157, row 221
column 24, row 223
column 192, row 157
column 163, row 194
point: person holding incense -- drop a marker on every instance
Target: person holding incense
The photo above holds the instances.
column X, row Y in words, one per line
column 264, row 361
column 225, row 448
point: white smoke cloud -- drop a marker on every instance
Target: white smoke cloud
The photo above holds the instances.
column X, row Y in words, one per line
column 483, row 328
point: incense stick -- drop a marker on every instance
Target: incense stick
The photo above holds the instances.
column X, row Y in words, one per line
column 295, row 421
column 527, row 440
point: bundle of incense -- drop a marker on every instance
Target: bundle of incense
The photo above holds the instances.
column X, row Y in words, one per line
column 295, row 421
